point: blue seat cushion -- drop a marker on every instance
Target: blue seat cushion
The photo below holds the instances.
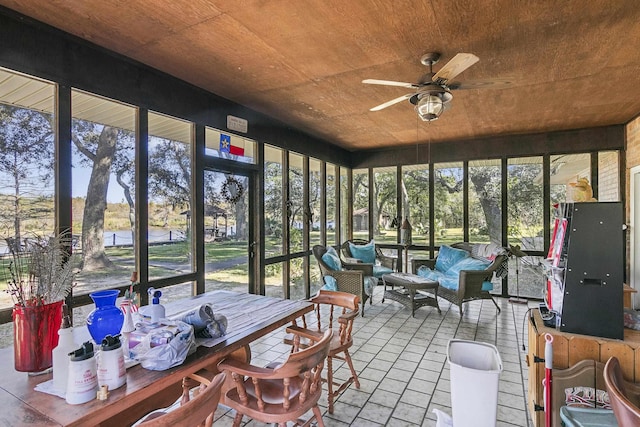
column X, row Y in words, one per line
column 449, row 282
column 381, row 270
column 427, row 273
column 332, row 259
column 448, row 256
column 451, row 278
column 365, row 253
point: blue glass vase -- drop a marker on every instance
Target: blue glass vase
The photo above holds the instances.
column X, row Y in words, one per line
column 106, row 318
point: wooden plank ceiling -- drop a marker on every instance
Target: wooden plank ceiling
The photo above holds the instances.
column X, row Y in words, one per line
column 572, row 64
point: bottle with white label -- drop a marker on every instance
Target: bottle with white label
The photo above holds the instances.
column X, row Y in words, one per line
column 83, row 379
column 111, row 370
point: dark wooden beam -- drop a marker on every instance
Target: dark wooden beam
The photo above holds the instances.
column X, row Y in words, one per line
column 574, row 141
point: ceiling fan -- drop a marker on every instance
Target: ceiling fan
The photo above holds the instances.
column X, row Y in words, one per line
column 432, row 93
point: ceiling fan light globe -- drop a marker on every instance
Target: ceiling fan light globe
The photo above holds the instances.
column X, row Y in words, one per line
column 430, row 107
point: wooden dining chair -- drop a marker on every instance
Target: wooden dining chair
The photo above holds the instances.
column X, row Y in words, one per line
column 280, row 392
column 337, row 311
column 624, row 396
column 193, row 411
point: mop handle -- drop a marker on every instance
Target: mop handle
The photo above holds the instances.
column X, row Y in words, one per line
column 548, row 366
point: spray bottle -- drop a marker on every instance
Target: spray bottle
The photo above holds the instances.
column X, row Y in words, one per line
column 83, row 379
column 156, row 310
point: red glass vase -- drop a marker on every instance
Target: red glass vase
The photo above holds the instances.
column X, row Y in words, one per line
column 35, row 335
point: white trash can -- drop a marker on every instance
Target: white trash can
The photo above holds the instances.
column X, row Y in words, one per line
column 475, row 372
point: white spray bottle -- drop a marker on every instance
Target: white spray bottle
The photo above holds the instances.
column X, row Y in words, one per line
column 156, row 310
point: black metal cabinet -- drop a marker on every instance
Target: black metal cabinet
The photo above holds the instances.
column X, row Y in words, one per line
column 594, row 269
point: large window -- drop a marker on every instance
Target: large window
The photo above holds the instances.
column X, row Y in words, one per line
column 525, row 212
column 360, row 203
column 273, row 200
column 415, row 201
column 332, row 187
column 26, row 165
column 566, row 170
column 448, row 220
column 345, row 203
column 295, row 205
column 524, row 203
column 103, row 190
column 315, row 199
column 485, row 202
column 170, row 196
column 385, row 216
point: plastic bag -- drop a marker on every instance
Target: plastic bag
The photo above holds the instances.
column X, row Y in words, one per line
column 443, row 419
column 167, row 355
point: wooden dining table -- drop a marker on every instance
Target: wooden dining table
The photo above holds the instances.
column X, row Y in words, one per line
column 249, row 318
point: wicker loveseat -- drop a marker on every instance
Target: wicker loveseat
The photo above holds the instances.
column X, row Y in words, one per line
column 472, row 284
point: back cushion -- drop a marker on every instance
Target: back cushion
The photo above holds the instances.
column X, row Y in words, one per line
column 365, row 253
column 468, row 263
column 332, row 259
column 448, row 256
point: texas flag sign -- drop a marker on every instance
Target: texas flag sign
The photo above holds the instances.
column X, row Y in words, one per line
column 226, row 147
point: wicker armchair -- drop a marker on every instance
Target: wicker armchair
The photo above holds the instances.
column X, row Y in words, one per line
column 469, row 281
column 350, row 280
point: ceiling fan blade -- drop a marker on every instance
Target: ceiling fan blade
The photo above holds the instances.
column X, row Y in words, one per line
column 458, row 64
column 393, row 101
column 498, row 83
column 389, row 83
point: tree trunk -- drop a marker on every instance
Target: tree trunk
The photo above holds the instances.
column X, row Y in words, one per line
column 130, row 202
column 491, row 207
column 242, row 232
column 93, row 256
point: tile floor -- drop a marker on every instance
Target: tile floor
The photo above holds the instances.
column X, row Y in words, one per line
column 402, row 363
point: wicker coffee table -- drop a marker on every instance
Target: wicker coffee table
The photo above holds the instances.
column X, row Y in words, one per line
column 408, row 294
